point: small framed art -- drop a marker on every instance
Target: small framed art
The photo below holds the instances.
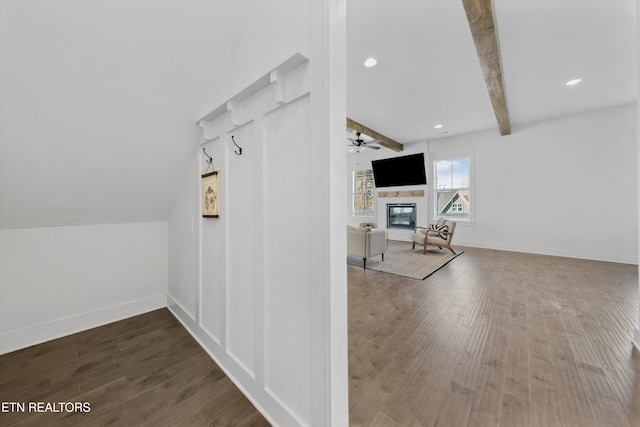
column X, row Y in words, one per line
column 210, row 195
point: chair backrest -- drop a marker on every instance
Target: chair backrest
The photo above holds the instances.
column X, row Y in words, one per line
column 452, row 227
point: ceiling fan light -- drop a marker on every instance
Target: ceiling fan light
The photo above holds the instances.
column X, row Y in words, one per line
column 370, row 62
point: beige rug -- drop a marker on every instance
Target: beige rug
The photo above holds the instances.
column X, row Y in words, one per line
column 400, row 259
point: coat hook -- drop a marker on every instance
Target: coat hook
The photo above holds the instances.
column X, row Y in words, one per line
column 210, row 159
column 239, row 152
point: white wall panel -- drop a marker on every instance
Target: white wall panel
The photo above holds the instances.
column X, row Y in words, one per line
column 241, row 241
column 212, row 254
column 287, row 293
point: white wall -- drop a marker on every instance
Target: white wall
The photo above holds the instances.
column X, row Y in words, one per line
column 565, row 186
column 183, row 247
column 57, row 281
column 263, row 287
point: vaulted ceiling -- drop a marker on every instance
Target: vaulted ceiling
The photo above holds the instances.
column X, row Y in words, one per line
column 428, row 71
column 98, row 98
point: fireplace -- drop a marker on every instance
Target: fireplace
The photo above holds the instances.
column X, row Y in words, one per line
column 401, row 215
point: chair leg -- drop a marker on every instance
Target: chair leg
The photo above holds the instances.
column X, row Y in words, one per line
column 364, row 264
column 414, row 245
column 383, row 257
column 451, row 249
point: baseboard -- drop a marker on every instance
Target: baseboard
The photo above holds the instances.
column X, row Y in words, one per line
column 594, row 256
column 636, row 339
column 26, row 337
column 223, row 361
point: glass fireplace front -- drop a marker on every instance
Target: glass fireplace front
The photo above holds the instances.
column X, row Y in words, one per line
column 401, row 215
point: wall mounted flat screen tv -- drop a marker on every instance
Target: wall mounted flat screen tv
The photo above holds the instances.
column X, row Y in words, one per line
column 399, row 171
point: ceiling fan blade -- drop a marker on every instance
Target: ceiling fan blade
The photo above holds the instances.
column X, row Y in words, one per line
column 375, row 147
column 373, row 141
column 352, row 140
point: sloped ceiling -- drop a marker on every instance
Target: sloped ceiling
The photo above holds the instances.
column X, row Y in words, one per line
column 98, row 101
column 428, row 71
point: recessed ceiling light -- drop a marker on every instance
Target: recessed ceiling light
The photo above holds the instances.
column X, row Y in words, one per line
column 438, row 126
column 370, row 62
column 573, row 82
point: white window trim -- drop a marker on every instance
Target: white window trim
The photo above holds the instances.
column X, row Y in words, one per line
column 433, row 158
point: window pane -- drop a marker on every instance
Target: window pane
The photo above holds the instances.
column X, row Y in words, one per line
column 363, row 196
column 453, row 173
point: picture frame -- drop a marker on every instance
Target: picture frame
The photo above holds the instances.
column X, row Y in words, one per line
column 210, row 195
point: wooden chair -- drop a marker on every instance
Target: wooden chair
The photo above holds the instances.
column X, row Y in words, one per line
column 440, row 235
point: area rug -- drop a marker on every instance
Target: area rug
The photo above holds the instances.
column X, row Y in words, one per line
column 400, row 259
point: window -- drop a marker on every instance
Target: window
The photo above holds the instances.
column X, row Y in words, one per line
column 452, row 190
column 364, row 203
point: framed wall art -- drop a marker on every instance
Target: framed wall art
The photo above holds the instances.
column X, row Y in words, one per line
column 210, row 195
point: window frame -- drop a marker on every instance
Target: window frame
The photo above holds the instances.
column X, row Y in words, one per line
column 452, row 156
column 362, row 213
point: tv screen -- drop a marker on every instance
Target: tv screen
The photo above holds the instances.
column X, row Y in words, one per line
column 399, row 171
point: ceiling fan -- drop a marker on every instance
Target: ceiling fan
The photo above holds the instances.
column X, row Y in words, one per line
column 361, row 143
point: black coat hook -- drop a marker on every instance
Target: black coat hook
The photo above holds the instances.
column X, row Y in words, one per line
column 239, row 151
column 210, row 159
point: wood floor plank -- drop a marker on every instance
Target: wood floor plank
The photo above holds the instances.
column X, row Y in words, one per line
column 487, row 404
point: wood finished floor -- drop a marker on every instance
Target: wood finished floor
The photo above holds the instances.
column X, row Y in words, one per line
column 146, row 370
column 495, row 339
column 492, row 339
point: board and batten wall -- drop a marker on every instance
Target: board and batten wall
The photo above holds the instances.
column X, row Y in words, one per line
column 57, row 281
column 263, row 287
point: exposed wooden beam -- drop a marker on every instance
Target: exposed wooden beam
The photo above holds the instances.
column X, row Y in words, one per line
column 485, row 36
column 384, row 141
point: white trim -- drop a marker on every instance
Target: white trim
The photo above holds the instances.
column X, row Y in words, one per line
column 437, row 157
column 636, row 339
column 594, row 256
column 194, row 330
column 171, row 301
column 43, row 332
